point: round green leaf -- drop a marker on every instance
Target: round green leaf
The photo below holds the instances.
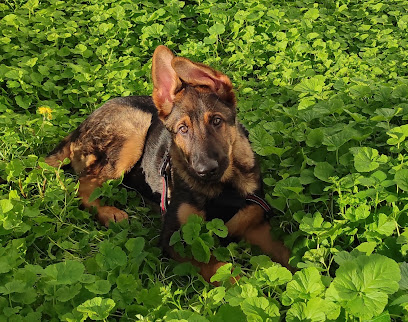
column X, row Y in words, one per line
column 67, row 272
column 99, row 287
column 306, row 284
column 323, row 171
column 362, row 285
column 97, row 308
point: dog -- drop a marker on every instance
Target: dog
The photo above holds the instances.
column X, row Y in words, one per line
column 183, row 148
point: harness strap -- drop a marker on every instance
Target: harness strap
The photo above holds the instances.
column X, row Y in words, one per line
column 260, row 202
column 164, row 173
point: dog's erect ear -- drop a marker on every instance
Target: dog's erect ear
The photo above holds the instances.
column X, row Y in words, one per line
column 165, row 80
column 202, row 75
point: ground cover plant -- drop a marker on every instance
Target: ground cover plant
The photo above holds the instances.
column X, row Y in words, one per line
column 323, row 90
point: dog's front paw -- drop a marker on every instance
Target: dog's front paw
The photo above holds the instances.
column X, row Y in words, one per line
column 107, row 214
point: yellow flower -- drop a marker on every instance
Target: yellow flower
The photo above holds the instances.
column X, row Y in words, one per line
column 46, row 112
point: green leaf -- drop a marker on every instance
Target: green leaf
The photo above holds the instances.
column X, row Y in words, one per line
column 289, row 188
column 223, row 273
column 31, row 5
column 237, row 294
column 311, row 85
column 5, row 205
column 184, row 316
column 360, row 91
column 217, row 227
column 66, row 293
column 358, row 213
column 23, row 102
column 227, row 312
column 362, row 285
column 316, row 309
column 216, row 29
column 401, row 178
column 305, row 285
column 110, row 256
column 383, row 225
column 68, row 272
column 200, row 250
column 312, row 14
column 99, row 287
column 191, row 231
column 97, row 308
column 314, row 224
column 397, row 134
column 151, row 297
column 262, row 141
column 222, row 254
column 305, row 102
column 261, row 261
column 367, row 159
column 367, row 247
column 323, row 170
column 217, row 294
column 15, row 286
column 185, row 269
column 135, row 246
column 315, row 138
column 175, row 238
column 274, row 276
column 403, row 283
column 335, row 141
column 126, row 283
column 260, row 309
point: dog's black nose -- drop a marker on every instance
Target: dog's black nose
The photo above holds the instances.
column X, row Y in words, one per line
column 207, row 168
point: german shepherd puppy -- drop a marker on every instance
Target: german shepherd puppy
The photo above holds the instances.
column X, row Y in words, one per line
column 189, row 126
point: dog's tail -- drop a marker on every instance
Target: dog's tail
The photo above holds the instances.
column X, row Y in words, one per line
column 61, row 152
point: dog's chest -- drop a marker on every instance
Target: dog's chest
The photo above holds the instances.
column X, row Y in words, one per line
column 224, row 206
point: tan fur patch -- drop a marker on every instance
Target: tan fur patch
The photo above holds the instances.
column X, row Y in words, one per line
column 90, row 159
column 77, row 158
column 132, row 149
column 241, row 156
column 260, row 235
column 86, row 186
column 185, row 210
column 243, row 153
column 107, row 214
column 53, row 160
column 244, row 219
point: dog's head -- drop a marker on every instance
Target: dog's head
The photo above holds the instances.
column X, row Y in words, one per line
column 197, row 105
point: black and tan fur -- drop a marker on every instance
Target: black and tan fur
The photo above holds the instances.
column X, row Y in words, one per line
column 192, row 116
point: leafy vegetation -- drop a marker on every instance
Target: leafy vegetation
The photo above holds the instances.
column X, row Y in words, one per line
column 322, row 87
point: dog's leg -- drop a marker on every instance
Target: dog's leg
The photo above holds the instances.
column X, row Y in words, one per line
column 105, row 213
column 260, row 235
column 250, row 224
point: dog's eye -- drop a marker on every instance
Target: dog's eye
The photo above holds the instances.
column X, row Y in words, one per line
column 183, row 129
column 216, row 121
